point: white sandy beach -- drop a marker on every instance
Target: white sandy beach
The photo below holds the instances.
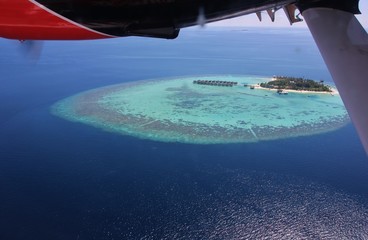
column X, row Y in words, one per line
column 333, row 90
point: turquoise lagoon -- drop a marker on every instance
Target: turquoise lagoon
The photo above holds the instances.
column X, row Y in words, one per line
column 176, row 110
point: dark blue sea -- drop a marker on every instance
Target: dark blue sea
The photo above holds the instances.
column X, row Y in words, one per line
column 62, row 180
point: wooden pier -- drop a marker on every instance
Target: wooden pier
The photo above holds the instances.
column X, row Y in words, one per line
column 215, row 83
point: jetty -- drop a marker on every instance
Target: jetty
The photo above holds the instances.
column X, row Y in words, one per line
column 215, row 83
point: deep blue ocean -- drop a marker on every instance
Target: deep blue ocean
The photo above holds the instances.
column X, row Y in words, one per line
column 65, row 180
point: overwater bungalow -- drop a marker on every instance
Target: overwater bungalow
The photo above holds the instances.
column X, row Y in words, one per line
column 215, row 83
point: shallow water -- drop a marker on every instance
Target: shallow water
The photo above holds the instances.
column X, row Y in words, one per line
column 177, row 110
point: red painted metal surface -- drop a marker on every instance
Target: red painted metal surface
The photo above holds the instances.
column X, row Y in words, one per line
column 28, row 20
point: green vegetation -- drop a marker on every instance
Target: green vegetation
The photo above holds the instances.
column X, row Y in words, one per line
column 292, row 83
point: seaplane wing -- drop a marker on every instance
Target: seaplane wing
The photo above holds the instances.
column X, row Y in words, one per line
column 94, row 19
column 342, row 40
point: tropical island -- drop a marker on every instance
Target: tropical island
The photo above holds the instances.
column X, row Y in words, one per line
column 297, row 84
column 186, row 110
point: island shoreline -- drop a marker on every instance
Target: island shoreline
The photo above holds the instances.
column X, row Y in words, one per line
column 333, row 92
